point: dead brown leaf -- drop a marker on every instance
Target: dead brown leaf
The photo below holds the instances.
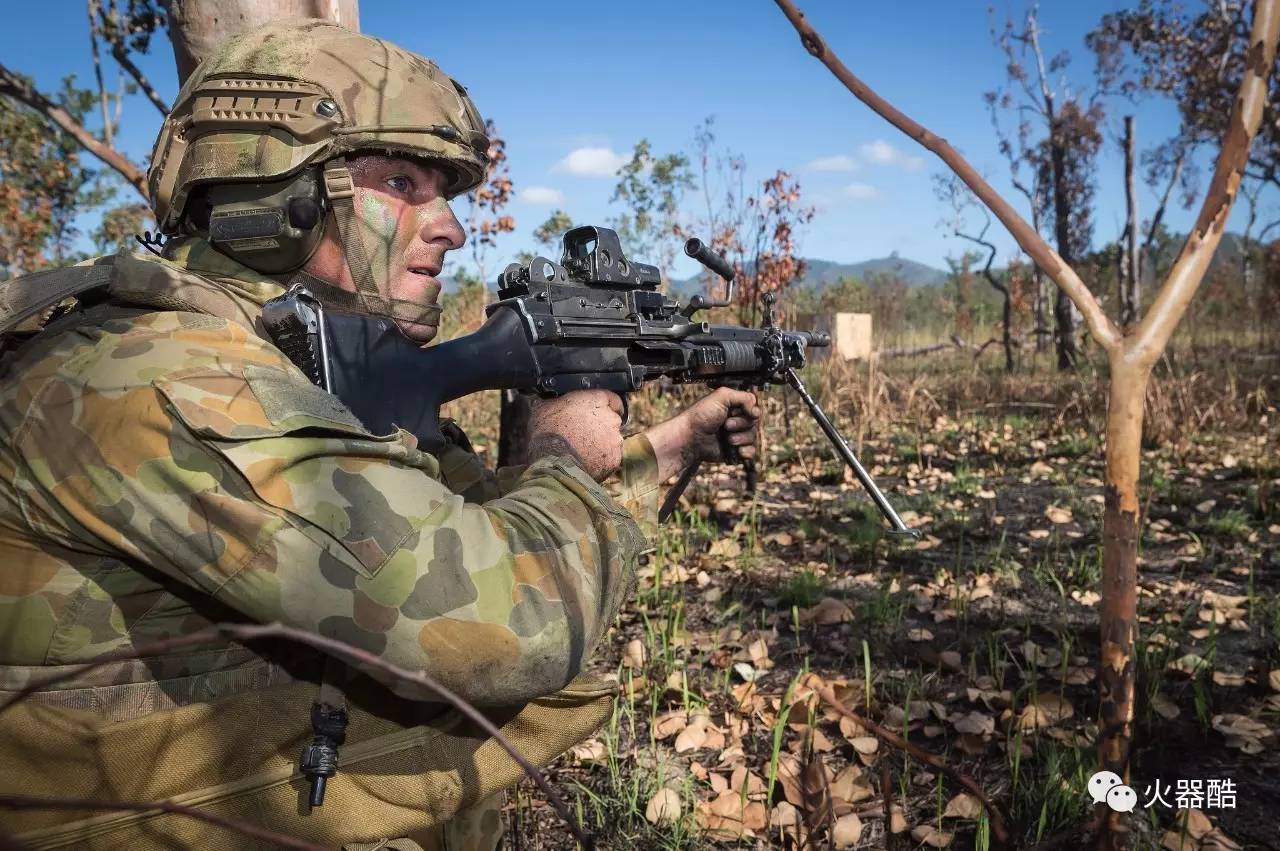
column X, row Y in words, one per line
column 976, row 723
column 827, row 612
column 592, row 750
column 668, row 724
column 634, row 655
column 1046, row 710
column 727, row 817
column 850, row 785
column 964, row 806
column 663, row 807
column 865, row 745
column 846, row 832
column 1058, row 514
column 931, row 836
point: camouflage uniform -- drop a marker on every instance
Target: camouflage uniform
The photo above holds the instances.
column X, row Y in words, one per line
column 164, row 467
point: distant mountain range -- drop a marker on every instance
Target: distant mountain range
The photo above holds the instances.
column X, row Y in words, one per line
column 822, row 273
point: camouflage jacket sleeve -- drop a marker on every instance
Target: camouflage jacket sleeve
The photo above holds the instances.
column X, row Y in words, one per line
column 202, row 452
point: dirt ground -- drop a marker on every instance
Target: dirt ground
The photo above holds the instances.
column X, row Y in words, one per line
column 978, row 643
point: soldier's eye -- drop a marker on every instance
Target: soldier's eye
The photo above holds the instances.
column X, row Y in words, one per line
column 401, row 184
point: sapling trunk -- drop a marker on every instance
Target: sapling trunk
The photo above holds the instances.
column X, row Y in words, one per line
column 1121, row 525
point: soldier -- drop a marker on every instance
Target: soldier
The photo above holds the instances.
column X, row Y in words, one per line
column 164, row 467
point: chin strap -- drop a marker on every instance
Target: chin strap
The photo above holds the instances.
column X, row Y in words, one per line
column 339, row 299
column 340, row 189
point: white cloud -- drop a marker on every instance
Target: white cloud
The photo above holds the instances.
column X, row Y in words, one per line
column 881, row 152
column 840, row 162
column 591, row 162
column 541, row 195
column 862, row 192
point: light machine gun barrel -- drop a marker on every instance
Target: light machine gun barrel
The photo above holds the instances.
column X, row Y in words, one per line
column 593, row 320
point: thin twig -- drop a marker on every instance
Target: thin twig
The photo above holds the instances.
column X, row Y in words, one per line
column 118, row 53
column 1154, row 227
column 24, row 802
column 886, row 782
column 245, row 633
column 92, row 8
column 998, row 822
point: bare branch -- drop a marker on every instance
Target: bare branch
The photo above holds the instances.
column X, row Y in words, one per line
column 1033, row 38
column 92, row 7
column 118, row 53
column 981, row 239
column 1164, row 201
column 1153, row 332
column 16, row 87
column 280, row 840
column 254, row 632
column 114, row 34
column 1103, row 329
column 912, row 351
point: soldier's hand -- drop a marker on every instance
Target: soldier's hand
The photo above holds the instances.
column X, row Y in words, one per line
column 585, row 426
column 698, row 432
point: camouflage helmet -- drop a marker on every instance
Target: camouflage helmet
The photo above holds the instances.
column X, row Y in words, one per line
column 290, row 94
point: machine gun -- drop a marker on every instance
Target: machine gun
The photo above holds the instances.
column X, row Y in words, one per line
column 593, row 320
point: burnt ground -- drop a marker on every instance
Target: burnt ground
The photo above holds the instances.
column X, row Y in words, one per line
column 982, row 640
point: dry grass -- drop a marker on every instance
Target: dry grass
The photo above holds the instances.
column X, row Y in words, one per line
column 981, row 458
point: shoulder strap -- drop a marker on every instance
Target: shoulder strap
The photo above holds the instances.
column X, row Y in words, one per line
column 24, row 297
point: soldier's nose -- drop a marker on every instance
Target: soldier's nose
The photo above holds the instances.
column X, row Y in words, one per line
column 439, row 226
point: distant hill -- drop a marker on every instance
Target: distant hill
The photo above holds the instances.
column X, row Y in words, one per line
column 822, row 273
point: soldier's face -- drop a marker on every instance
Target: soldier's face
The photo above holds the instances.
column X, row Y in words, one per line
column 406, row 227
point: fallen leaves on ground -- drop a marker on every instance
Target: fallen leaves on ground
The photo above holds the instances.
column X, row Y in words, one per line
column 663, row 807
column 1046, row 710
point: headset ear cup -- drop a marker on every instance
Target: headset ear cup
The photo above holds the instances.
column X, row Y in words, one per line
column 272, row 227
column 304, row 213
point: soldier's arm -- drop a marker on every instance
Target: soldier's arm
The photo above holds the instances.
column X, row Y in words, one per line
column 239, row 478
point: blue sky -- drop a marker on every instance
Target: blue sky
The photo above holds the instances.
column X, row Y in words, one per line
column 574, row 85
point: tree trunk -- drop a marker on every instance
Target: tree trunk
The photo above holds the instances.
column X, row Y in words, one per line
column 1131, row 295
column 1041, row 297
column 1118, row 614
column 1064, row 324
column 198, row 27
column 1007, row 322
